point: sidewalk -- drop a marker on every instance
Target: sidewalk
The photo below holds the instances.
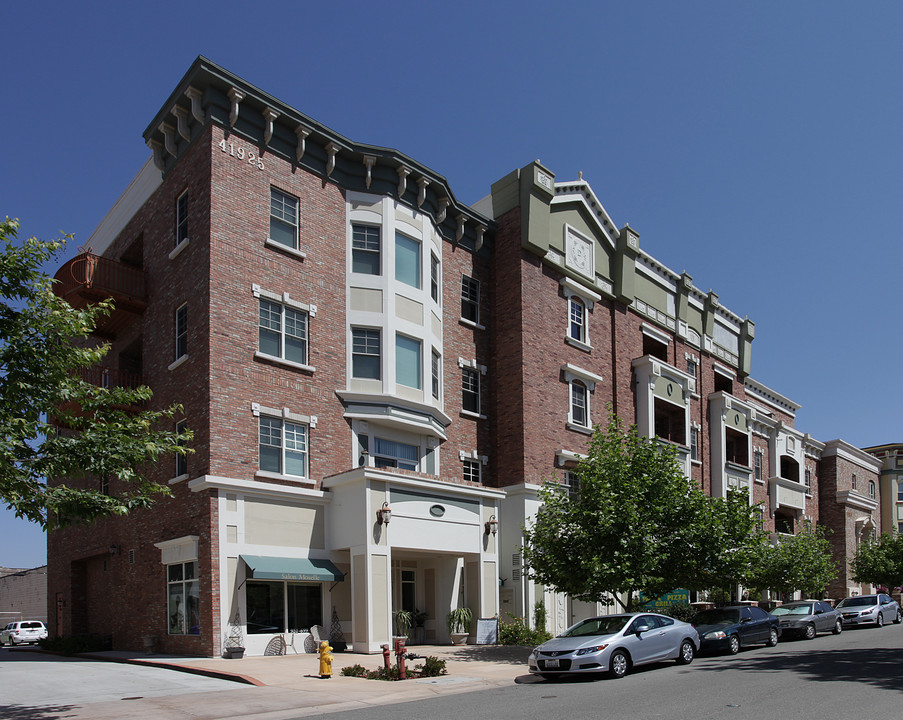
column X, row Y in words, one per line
column 288, row 686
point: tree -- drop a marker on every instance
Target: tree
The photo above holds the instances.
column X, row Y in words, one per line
column 60, row 435
column 730, row 543
column 798, row 562
column 879, row 562
column 633, row 526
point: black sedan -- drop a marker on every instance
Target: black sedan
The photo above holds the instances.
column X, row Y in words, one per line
column 727, row 629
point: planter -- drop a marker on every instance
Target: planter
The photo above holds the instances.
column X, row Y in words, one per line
column 234, row 653
column 459, row 638
column 338, row 645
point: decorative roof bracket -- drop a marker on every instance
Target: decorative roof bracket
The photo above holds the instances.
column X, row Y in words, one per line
column 302, row 133
column 195, row 95
column 236, row 96
column 423, row 184
column 479, row 242
column 169, row 139
column 157, row 149
column 182, row 116
column 444, row 202
column 403, row 173
column 269, row 115
column 460, row 232
column 369, row 162
column 333, row 150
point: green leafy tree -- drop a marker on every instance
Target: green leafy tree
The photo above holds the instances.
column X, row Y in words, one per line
column 60, row 435
column 730, row 543
column 879, row 562
column 798, row 562
column 632, row 527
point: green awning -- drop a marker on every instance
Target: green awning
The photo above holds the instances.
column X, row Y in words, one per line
column 263, row 567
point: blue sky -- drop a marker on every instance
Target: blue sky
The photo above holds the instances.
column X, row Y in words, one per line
column 754, row 145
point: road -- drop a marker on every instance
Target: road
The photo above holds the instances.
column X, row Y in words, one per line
column 856, row 674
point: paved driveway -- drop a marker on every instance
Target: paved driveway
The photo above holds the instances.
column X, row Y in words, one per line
column 37, row 680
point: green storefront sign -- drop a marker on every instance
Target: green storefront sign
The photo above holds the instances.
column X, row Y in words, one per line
column 675, row 597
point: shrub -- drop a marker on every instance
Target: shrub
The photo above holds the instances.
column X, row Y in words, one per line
column 431, row 667
column 516, row 632
column 679, row 611
column 354, row 671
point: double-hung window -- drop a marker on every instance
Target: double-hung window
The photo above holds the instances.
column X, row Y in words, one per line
column 577, row 319
column 365, row 353
column 283, row 218
column 389, row 453
column 694, row 443
column 283, row 446
column 183, row 598
column 181, row 218
column 579, row 404
column 182, row 331
column 365, row 249
column 757, row 465
column 436, row 369
column 472, row 471
column 470, row 299
column 407, row 260
column 434, row 278
column 283, row 332
column 407, row 361
column 470, row 383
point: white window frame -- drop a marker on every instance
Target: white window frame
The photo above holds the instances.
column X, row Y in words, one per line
column 588, row 380
column 400, row 236
column 435, row 279
column 279, row 218
column 471, row 293
column 574, row 291
column 284, row 416
column 694, row 443
column 758, row 465
column 284, row 301
column 367, row 346
column 364, row 248
column 436, row 375
column 576, row 303
column 578, row 391
column 477, row 371
column 400, row 339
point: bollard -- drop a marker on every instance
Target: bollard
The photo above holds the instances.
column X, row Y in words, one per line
column 325, row 660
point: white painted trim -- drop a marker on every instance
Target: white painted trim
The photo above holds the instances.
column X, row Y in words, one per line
column 256, row 488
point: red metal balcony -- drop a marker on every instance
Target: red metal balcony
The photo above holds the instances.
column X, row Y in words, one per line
column 89, row 278
column 104, row 377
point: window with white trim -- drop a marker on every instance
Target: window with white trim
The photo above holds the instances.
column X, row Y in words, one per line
column 572, row 480
column 394, row 454
column 470, row 384
column 181, row 459
column 181, row 327
column 407, row 361
column 365, row 249
column 282, row 331
column 900, row 491
column 692, row 365
column 283, row 218
column 577, row 319
column 694, row 442
column 435, row 282
column 183, row 598
column 872, row 489
column 757, row 460
column 436, row 372
column 472, row 470
column 579, row 414
column 365, row 353
column 283, row 446
column 808, row 480
column 181, row 218
column 470, row 299
column 407, row 260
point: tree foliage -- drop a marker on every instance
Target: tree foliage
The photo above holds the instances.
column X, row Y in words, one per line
column 879, row 562
column 798, row 562
column 59, row 434
column 630, row 528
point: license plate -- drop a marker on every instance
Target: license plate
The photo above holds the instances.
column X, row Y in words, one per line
column 551, row 664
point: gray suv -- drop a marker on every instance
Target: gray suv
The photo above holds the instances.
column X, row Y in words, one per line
column 807, row 618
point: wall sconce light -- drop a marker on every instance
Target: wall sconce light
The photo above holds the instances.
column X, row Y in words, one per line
column 491, row 525
column 384, row 514
column 115, row 549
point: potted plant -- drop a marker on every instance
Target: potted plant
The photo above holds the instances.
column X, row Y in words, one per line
column 403, row 621
column 419, row 621
column 458, row 623
column 235, row 644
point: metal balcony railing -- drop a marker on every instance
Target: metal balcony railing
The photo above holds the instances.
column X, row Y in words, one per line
column 110, row 378
column 107, row 276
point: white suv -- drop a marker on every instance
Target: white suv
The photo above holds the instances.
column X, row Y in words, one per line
column 25, row 631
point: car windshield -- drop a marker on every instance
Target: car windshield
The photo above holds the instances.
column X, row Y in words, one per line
column 717, row 617
column 597, row 626
column 857, row 601
column 793, row 610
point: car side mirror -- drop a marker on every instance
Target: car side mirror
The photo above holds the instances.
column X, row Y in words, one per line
column 641, row 629
column 744, row 620
column 819, row 612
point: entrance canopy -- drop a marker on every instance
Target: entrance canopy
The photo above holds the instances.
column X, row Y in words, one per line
column 264, row 567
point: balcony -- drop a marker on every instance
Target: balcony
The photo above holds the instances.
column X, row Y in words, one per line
column 88, row 278
column 104, row 377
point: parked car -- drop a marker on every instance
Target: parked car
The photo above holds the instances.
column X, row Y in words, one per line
column 23, row 631
column 614, row 644
column 807, row 618
column 727, row 629
column 874, row 609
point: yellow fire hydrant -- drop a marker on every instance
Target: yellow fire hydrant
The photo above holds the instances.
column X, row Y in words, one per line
column 325, row 660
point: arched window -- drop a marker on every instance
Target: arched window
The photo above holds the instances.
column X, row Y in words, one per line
column 872, row 489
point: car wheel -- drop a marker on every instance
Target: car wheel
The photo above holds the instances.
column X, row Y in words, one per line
column 838, row 627
column 12, row 641
column 687, row 653
column 899, row 617
column 733, row 645
column 809, row 632
column 773, row 637
column 879, row 620
column 620, row 664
